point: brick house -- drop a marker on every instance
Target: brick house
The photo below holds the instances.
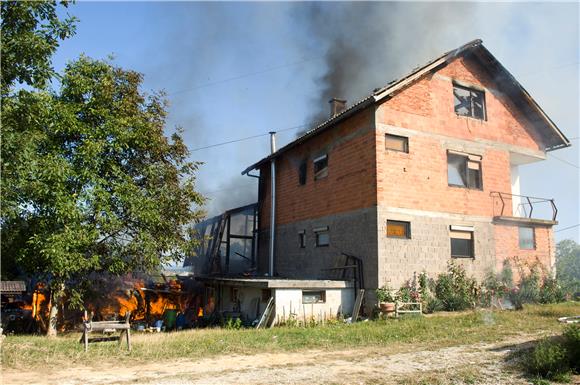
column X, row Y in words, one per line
column 420, row 172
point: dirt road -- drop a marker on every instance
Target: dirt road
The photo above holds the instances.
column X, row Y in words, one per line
column 479, row 364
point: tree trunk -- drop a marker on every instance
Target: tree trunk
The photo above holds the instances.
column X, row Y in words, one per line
column 55, row 298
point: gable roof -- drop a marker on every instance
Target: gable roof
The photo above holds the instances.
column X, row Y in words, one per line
column 550, row 133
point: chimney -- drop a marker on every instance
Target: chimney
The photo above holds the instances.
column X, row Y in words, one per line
column 336, row 106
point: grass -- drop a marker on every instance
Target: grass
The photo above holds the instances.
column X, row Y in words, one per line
column 431, row 332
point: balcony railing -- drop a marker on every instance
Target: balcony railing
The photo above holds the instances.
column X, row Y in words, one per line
column 522, row 206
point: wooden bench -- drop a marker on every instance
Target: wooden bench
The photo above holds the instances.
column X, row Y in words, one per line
column 408, row 308
column 89, row 326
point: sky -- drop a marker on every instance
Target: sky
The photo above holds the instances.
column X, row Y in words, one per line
column 236, row 70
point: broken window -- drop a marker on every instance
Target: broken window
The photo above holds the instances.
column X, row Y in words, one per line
column 302, row 173
column 397, row 143
column 302, row 239
column 312, row 296
column 461, row 242
column 321, row 167
column 527, row 239
column 469, row 102
column 322, row 236
column 398, row 229
column 464, row 170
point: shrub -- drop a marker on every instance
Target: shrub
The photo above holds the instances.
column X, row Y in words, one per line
column 384, row 294
column 572, row 343
column 548, row 359
column 551, row 291
column 455, row 290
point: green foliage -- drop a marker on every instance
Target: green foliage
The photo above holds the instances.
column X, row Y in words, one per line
column 551, row 291
column 547, row 359
column 384, row 294
column 90, row 181
column 31, row 33
column 568, row 265
column 455, row 289
column 572, row 344
column 233, row 323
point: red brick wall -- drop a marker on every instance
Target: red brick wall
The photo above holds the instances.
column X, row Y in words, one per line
column 350, row 183
column 507, row 247
column 418, row 180
column 428, row 106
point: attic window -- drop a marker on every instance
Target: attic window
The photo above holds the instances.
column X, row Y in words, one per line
column 321, row 167
column 469, row 102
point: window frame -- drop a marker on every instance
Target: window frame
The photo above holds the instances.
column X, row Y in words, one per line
column 533, row 229
column 303, row 173
column 465, row 230
column 467, row 158
column 321, row 294
column 323, row 172
column 317, row 232
column 407, row 226
column 302, row 239
column 405, row 143
column 472, row 90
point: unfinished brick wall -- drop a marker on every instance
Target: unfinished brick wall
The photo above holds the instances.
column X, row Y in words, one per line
column 350, row 184
column 507, row 247
column 424, row 112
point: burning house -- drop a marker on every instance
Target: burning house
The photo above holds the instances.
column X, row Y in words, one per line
column 423, row 171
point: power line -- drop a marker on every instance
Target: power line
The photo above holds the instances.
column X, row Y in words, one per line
column 567, row 228
column 246, row 138
column 564, row 161
column 270, row 69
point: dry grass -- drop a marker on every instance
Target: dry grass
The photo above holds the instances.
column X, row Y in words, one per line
column 435, row 331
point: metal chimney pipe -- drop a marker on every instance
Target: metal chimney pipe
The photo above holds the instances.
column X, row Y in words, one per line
column 272, row 203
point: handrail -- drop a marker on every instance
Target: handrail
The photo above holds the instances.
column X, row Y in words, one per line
column 530, row 202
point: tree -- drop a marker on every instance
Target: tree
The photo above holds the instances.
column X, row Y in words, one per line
column 568, row 265
column 31, row 31
column 90, row 183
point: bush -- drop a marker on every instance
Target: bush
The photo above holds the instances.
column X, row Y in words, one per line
column 455, row 290
column 548, row 359
column 551, row 291
column 384, row 294
column 572, row 344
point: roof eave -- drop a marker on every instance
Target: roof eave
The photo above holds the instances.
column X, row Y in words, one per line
column 315, row 131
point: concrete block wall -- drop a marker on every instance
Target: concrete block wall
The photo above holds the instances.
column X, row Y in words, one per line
column 429, row 248
column 353, row 232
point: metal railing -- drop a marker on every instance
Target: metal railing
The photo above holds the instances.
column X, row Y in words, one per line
column 524, row 207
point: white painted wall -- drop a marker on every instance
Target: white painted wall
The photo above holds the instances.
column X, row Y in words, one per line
column 289, row 301
column 518, row 210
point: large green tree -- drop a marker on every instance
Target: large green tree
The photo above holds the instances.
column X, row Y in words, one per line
column 31, row 33
column 568, row 265
column 90, row 183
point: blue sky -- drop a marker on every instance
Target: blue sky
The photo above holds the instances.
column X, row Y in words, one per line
column 233, row 70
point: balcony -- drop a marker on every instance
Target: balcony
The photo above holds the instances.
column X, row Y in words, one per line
column 523, row 208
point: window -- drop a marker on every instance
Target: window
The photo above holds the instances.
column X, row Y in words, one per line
column 302, row 173
column 397, row 143
column 461, row 241
column 321, row 167
column 527, row 238
column 464, row 170
column 322, row 236
column 312, row 296
column 469, row 102
column 302, row 239
column 398, row 229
